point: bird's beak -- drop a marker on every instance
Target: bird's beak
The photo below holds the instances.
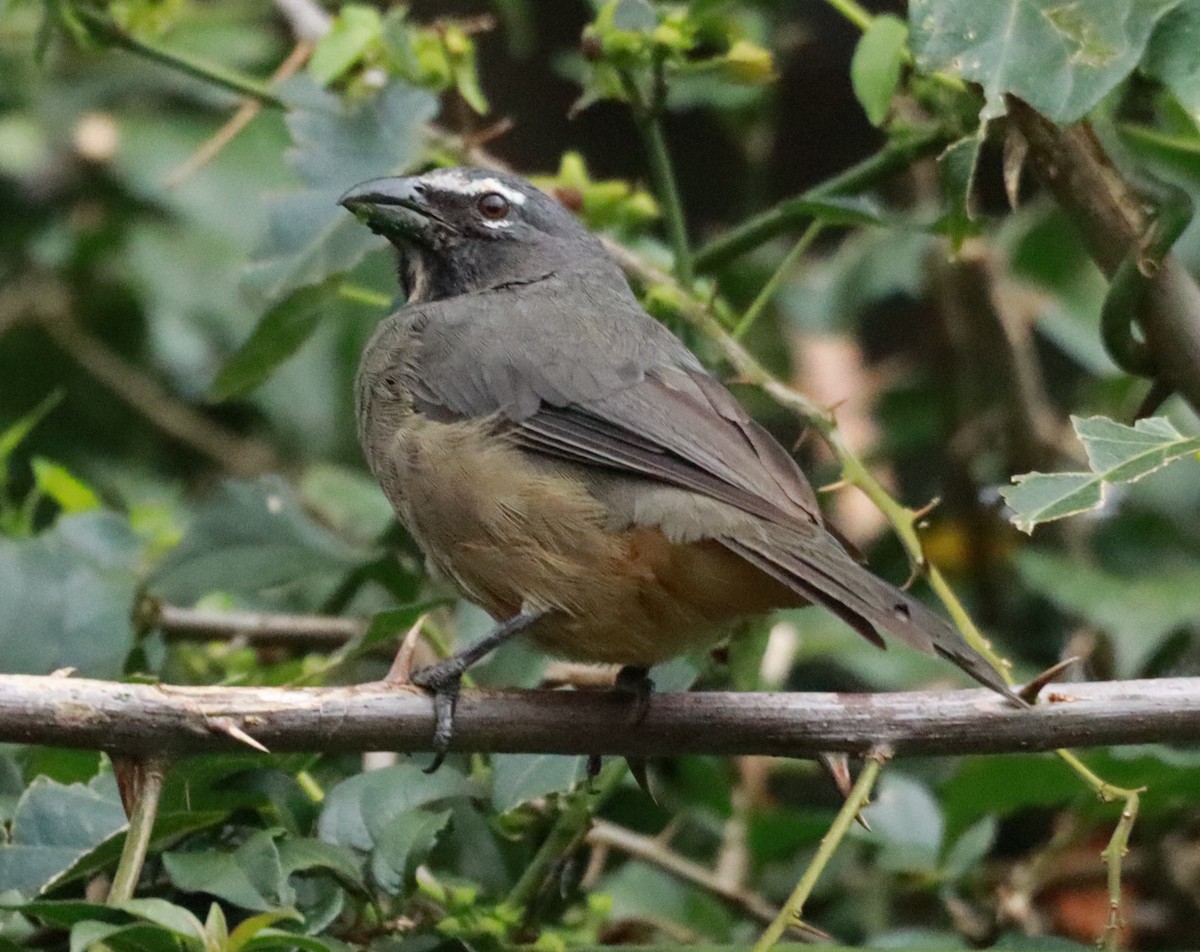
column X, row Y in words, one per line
column 392, row 207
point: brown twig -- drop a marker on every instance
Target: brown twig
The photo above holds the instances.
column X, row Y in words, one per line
column 147, row 720
column 649, row 850
column 245, row 114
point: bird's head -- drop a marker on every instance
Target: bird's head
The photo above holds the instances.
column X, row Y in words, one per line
column 460, row 230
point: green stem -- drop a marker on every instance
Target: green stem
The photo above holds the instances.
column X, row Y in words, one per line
column 791, row 912
column 785, row 266
column 1118, row 843
column 853, row 12
column 569, row 828
column 360, row 295
column 137, row 837
column 107, row 31
column 896, row 155
column 646, row 117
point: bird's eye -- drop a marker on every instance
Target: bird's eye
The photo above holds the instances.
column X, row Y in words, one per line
column 493, row 205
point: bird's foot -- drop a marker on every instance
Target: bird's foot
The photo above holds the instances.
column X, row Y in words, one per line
column 443, row 681
column 636, row 681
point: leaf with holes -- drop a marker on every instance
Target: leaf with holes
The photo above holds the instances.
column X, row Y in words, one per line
column 1116, row 454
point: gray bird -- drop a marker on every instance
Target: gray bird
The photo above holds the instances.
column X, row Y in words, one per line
column 568, row 463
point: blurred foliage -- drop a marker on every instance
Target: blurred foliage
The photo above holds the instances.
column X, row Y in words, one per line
column 178, row 341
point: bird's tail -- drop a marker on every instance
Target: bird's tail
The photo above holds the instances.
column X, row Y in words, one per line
column 825, row 574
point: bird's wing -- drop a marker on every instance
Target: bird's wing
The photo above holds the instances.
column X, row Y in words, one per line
column 613, row 388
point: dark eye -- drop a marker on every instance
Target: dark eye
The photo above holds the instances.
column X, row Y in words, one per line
column 493, row 205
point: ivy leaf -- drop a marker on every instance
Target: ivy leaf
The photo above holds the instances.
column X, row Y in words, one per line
column 55, row 826
column 279, row 334
column 359, row 810
column 249, row 537
column 250, row 876
column 1061, row 57
column 66, row 596
column 1116, row 454
column 875, row 68
column 403, row 844
column 336, row 144
column 519, row 778
column 1173, row 56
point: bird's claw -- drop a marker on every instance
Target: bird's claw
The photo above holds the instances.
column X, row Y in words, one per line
column 443, row 681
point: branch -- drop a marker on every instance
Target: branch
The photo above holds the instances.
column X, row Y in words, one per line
column 143, row 719
column 1072, row 164
column 264, row 629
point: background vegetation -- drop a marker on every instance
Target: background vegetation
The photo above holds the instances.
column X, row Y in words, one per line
column 182, row 310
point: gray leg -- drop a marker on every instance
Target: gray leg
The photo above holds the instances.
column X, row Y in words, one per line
column 444, row 679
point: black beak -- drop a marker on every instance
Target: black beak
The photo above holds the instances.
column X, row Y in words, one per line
column 392, row 207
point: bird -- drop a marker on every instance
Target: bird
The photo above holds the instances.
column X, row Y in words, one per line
column 568, row 464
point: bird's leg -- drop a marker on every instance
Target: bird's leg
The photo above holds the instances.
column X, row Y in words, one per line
column 635, row 681
column 444, row 678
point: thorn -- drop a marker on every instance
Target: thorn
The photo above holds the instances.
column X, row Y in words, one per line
column 637, row 767
column 914, row 573
column 1029, row 692
column 62, row 672
column 812, row 932
column 227, row 726
column 401, row 669
column 802, row 439
column 833, row 487
column 837, row 765
column 919, row 514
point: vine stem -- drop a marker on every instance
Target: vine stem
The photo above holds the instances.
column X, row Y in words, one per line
column 149, row 782
column 772, row 286
column 109, row 32
column 1113, row 854
column 646, row 116
column 791, row 912
column 569, row 828
column 852, row 11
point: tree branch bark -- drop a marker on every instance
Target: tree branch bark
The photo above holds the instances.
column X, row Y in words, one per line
column 1072, row 164
column 165, row 720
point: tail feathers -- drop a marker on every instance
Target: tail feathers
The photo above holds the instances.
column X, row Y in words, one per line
column 824, row 574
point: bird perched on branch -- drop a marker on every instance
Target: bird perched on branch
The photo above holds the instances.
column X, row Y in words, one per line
column 568, row 463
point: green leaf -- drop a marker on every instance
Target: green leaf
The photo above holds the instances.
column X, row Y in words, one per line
column 336, row 144
column 402, row 845
column 1116, row 454
column 956, row 166
column 969, row 849
column 64, row 913
column 66, row 596
column 305, row 855
column 358, row 810
column 250, row 876
column 875, row 68
column 14, row 435
column 347, row 499
column 1173, row 56
column 57, row 482
column 519, row 778
column 279, row 334
column 353, row 32
column 248, row 537
column 1060, row 56
column 249, row 928
column 166, row 914
column 1137, row 611
column 129, row 937
column 907, row 822
column 55, row 826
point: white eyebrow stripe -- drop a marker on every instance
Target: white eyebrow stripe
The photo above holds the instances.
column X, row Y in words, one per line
column 457, row 182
